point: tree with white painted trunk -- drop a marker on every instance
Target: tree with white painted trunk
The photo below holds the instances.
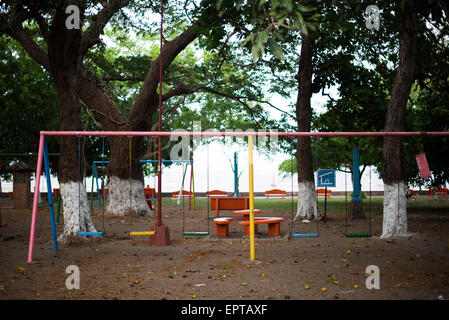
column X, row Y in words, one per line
column 60, row 57
column 307, row 205
column 393, row 170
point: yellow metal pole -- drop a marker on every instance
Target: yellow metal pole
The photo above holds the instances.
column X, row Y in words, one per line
column 251, row 200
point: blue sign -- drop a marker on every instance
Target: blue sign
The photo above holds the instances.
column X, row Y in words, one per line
column 326, row 178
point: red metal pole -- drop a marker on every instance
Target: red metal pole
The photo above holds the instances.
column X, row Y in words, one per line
column 159, row 150
column 162, row 234
column 36, row 197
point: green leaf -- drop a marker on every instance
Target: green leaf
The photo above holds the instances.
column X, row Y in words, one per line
column 219, row 3
column 275, row 49
column 255, row 52
column 261, row 3
column 304, row 8
column 239, row 3
column 288, row 5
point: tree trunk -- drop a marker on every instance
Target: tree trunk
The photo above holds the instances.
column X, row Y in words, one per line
column 395, row 201
column 126, row 183
column 63, row 60
column 307, row 207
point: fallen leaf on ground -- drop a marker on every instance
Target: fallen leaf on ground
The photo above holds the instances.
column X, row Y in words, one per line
column 200, row 285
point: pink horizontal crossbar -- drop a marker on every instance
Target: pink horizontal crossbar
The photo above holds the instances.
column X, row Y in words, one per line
column 240, row 134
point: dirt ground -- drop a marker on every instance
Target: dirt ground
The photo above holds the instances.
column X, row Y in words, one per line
column 116, row 266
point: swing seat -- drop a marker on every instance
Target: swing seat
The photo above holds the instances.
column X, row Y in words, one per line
column 298, row 235
column 359, row 235
column 142, row 233
column 195, row 233
column 86, row 234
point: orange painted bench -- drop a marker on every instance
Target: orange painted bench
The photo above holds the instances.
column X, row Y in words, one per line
column 274, row 225
column 216, row 193
column 245, row 213
column 222, row 226
column 150, row 192
column 275, row 192
column 228, row 203
column 321, row 192
column 185, row 193
column 55, row 193
column 439, row 191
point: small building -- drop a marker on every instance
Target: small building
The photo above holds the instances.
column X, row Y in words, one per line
column 21, row 173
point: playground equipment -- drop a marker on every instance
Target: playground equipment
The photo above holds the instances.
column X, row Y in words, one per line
column 41, row 152
column 191, row 195
column 222, row 226
column 84, row 234
column 274, row 225
column 131, row 232
column 356, row 195
column 228, row 203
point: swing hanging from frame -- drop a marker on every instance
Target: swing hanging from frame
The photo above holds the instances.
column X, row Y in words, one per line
column 131, row 232
column 83, row 234
column 194, row 233
column 356, row 178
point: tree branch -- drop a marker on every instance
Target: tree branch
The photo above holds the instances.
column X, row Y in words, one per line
column 14, row 29
column 98, row 99
column 148, row 93
column 92, row 35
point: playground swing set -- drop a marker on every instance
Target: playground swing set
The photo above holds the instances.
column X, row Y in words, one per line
column 43, row 158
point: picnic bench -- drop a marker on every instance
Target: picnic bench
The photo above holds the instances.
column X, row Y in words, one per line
column 185, row 193
column 439, row 192
column 322, row 192
column 216, row 193
column 222, row 226
column 228, row 203
column 275, row 192
column 274, row 225
column 149, row 192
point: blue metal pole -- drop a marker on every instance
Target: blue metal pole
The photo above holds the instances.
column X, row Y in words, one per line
column 50, row 197
column 356, row 174
column 236, row 175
